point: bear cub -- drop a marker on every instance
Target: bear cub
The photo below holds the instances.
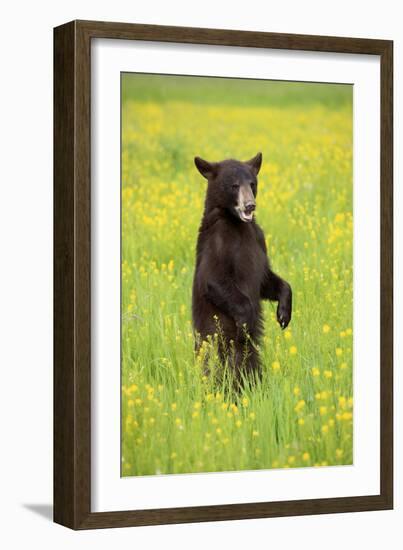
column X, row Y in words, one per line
column 232, row 273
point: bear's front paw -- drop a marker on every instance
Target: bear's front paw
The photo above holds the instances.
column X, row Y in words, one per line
column 283, row 315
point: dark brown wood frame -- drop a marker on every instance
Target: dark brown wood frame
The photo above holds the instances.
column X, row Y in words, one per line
column 72, row 292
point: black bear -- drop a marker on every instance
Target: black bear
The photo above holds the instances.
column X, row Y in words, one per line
column 233, row 273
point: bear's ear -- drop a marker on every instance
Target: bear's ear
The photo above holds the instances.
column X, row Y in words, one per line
column 255, row 163
column 206, row 169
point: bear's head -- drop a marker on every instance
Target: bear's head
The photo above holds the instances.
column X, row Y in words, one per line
column 232, row 185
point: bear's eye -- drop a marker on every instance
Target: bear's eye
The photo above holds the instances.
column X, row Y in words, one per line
column 235, row 186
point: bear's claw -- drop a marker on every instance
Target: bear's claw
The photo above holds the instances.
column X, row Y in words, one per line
column 283, row 317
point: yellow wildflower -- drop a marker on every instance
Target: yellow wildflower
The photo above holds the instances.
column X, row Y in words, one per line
column 275, row 365
column 300, row 405
column 342, row 401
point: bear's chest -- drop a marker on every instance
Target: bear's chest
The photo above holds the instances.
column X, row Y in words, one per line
column 249, row 261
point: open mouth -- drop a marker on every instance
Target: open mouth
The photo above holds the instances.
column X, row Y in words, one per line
column 245, row 216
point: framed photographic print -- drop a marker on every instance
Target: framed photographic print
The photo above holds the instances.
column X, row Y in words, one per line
column 223, row 315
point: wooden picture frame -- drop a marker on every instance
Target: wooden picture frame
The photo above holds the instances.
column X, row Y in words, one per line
column 72, row 271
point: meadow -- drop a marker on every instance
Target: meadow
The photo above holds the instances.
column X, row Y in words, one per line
column 174, row 419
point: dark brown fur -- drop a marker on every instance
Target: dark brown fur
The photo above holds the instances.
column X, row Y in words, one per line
column 233, row 273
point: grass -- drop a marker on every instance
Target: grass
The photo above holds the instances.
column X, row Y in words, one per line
column 174, row 420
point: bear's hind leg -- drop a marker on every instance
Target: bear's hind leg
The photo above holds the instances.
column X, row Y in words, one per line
column 247, row 365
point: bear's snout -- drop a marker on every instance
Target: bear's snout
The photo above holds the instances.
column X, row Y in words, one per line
column 246, row 203
column 250, row 207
